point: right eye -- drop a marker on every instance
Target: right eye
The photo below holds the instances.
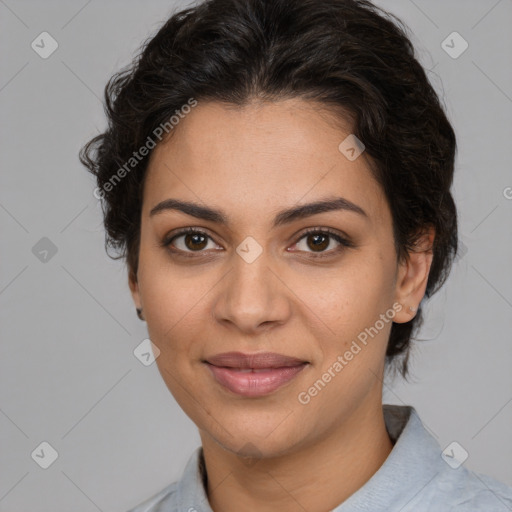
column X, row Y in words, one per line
column 187, row 241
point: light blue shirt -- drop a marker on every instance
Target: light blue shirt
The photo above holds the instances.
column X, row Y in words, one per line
column 415, row 477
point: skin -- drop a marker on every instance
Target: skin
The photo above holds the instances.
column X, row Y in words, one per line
column 273, row 452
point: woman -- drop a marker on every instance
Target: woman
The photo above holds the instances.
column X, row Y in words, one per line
column 277, row 175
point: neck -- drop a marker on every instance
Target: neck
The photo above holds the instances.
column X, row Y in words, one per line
column 316, row 478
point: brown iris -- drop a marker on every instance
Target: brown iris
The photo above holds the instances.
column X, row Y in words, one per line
column 317, row 244
column 195, row 243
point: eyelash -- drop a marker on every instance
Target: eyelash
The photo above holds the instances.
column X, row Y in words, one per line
column 344, row 242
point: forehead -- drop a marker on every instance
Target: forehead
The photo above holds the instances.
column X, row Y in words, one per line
column 259, row 157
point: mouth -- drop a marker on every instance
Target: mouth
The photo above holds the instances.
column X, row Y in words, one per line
column 253, row 375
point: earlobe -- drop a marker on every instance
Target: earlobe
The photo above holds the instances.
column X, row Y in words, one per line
column 134, row 288
column 413, row 275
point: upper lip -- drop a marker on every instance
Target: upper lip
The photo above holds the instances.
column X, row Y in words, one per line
column 257, row 361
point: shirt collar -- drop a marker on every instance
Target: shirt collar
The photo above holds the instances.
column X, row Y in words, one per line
column 413, row 462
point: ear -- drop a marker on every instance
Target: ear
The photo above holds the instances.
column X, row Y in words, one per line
column 134, row 287
column 412, row 276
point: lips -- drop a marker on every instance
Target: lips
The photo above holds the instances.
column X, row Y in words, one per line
column 253, row 375
column 254, row 361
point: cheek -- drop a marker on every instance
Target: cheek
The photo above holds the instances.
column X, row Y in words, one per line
column 169, row 292
column 176, row 325
column 352, row 349
column 349, row 297
column 353, row 345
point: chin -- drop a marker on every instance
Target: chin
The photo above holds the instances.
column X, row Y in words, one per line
column 258, row 439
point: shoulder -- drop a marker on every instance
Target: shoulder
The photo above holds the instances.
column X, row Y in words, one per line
column 419, row 476
column 480, row 493
column 166, row 500
column 463, row 490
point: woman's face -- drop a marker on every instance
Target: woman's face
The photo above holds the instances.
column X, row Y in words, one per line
column 258, row 283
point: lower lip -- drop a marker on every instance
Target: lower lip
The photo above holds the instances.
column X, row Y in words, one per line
column 254, row 384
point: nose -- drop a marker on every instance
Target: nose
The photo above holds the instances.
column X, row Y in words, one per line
column 252, row 297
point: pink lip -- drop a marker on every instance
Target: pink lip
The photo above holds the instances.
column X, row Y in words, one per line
column 254, row 375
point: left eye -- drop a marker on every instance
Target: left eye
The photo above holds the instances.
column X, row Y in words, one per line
column 319, row 241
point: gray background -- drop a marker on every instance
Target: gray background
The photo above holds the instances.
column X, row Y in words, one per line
column 68, row 374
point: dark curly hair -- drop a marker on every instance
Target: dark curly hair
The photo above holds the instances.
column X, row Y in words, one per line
column 350, row 55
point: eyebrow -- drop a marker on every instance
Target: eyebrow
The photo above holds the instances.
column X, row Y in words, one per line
column 284, row 217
